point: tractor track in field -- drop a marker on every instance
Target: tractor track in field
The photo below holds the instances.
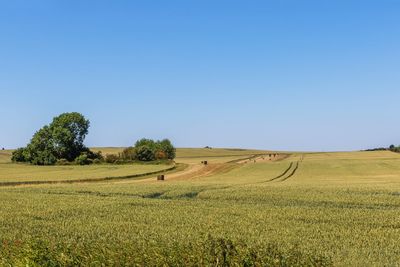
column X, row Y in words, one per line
column 283, row 174
column 289, row 172
column 292, row 173
column 204, row 171
column 192, row 171
column 197, row 170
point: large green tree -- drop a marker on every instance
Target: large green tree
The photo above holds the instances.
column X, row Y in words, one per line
column 40, row 151
column 68, row 134
column 62, row 139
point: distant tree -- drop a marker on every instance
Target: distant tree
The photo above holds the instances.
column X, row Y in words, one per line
column 167, row 147
column 146, row 142
column 147, row 149
column 392, row 148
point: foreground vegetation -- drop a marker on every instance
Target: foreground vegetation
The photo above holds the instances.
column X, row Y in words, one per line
column 337, row 209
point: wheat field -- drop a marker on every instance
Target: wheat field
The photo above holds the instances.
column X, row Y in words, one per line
column 305, row 209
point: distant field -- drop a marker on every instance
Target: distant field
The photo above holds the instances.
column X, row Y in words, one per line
column 309, row 209
column 108, row 150
column 196, row 155
column 215, row 155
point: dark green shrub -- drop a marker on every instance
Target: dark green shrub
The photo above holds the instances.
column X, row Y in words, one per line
column 44, row 158
column 94, row 155
column 18, row 155
column 145, row 153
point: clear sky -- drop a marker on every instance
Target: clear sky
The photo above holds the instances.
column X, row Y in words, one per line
column 288, row 75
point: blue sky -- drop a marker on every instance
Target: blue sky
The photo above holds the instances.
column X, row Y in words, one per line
column 289, row 75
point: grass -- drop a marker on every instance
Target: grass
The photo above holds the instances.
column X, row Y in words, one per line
column 5, row 156
column 337, row 209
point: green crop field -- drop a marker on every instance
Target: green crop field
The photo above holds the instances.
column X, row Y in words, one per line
column 25, row 173
column 306, row 209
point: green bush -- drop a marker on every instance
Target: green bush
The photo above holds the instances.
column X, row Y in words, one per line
column 145, row 153
column 83, row 159
column 18, row 155
column 94, row 155
column 44, row 157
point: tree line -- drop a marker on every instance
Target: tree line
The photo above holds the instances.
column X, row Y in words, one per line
column 62, row 142
column 392, row 148
column 144, row 150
